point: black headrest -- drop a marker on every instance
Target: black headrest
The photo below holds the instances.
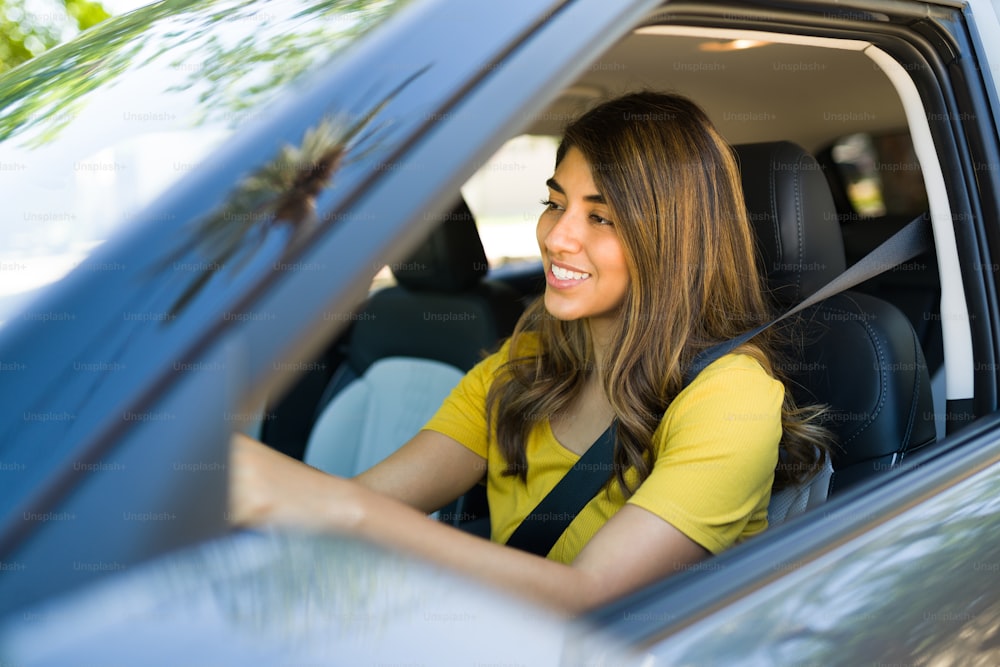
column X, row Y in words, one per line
column 452, row 258
column 793, row 216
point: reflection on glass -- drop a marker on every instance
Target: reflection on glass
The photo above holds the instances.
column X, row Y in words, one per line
column 269, row 598
column 281, row 192
column 920, row 590
column 232, row 54
column 91, row 133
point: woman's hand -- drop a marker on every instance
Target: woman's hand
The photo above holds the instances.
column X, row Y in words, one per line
column 267, row 487
column 632, row 549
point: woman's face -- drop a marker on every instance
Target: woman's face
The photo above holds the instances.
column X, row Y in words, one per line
column 585, row 270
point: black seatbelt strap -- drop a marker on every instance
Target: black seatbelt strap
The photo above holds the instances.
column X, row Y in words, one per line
column 540, row 530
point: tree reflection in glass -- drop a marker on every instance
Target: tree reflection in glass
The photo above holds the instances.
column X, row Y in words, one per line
column 281, row 192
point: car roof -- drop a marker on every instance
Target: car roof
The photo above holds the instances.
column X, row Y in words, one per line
column 719, row 69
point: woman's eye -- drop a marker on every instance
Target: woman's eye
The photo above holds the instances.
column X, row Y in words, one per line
column 550, row 205
column 601, row 221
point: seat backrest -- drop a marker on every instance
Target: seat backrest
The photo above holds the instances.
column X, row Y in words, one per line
column 442, row 308
column 377, row 413
column 855, row 353
column 409, row 346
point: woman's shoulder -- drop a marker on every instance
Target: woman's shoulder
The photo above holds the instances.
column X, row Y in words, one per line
column 526, row 344
column 733, row 408
column 735, row 366
column 734, row 379
column 523, row 344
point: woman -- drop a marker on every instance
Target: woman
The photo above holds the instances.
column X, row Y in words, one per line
column 648, row 260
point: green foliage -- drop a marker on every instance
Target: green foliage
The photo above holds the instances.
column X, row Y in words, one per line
column 228, row 79
column 86, row 13
column 29, row 27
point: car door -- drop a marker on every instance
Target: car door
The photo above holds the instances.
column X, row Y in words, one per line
column 237, row 271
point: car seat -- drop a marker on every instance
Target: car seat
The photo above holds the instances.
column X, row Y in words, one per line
column 855, row 353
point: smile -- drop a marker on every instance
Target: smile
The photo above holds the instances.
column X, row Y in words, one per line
column 565, row 274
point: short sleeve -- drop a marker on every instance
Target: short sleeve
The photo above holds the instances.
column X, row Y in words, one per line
column 462, row 416
column 717, row 448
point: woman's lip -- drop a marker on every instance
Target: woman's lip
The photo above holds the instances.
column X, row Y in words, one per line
column 566, row 267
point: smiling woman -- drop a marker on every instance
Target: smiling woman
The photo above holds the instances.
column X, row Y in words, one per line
column 575, row 224
column 637, row 179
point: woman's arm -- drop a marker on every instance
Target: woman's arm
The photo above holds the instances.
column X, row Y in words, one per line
column 426, row 473
column 632, row 549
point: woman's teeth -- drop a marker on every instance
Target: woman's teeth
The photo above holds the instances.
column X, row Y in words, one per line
column 566, row 274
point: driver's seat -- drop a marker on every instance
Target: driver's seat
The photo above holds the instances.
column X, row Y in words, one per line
column 853, row 352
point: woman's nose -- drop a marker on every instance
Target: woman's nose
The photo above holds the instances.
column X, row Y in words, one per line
column 564, row 235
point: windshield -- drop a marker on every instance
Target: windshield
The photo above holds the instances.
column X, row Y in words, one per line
column 138, row 103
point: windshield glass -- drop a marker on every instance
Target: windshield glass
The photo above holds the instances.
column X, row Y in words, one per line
column 138, row 103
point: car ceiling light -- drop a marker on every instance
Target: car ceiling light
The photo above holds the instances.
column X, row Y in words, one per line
column 733, row 35
column 731, row 45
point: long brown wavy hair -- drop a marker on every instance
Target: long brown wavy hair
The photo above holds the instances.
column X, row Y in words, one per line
column 673, row 187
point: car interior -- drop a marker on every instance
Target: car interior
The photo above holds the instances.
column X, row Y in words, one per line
column 833, row 163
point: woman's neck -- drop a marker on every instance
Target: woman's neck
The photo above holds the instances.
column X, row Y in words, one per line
column 600, row 339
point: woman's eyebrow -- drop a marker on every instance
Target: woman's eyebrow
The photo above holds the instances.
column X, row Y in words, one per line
column 554, row 185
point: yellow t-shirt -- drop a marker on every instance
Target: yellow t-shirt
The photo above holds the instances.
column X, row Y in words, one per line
column 716, row 450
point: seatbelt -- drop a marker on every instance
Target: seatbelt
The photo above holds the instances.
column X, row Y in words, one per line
column 540, row 530
column 902, row 246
